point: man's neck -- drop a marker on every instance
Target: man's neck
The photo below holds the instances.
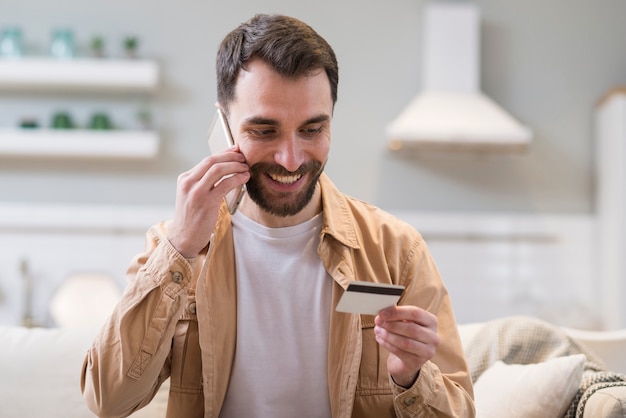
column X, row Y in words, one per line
column 254, row 212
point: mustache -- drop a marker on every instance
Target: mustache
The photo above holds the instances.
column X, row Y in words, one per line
column 267, row 168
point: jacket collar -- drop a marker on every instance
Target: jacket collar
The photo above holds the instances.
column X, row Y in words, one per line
column 338, row 219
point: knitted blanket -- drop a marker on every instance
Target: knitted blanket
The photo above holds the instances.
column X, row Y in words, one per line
column 524, row 340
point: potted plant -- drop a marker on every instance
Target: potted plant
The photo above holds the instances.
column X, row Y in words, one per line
column 97, row 46
column 131, row 44
column 144, row 117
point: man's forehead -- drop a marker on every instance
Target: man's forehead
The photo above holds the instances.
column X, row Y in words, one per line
column 257, row 64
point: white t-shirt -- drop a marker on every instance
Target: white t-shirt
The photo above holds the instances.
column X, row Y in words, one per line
column 283, row 313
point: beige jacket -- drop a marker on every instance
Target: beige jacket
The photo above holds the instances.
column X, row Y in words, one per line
column 178, row 319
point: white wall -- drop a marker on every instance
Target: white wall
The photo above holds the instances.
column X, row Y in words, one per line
column 493, row 264
column 43, row 245
column 545, row 62
column 498, row 264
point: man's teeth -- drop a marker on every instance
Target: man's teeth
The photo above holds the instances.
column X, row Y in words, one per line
column 285, row 179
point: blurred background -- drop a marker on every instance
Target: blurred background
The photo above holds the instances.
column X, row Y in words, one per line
column 547, row 63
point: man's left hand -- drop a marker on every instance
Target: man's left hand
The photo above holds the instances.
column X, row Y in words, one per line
column 410, row 335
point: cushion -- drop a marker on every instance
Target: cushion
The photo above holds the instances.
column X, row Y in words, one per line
column 541, row 390
column 468, row 331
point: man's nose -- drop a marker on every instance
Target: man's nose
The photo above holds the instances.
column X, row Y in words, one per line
column 289, row 154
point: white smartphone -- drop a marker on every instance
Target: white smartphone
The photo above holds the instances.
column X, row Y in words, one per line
column 220, row 139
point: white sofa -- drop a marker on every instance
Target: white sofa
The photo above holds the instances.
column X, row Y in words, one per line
column 40, row 372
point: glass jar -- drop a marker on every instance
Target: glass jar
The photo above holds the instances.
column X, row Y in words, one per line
column 62, row 45
column 11, row 42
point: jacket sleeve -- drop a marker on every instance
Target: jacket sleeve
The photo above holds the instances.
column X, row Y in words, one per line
column 443, row 387
column 129, row 359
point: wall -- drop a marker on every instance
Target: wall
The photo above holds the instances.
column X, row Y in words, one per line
column 545, row 62
column 43, row 245
column 497, row 265
column 493, row 264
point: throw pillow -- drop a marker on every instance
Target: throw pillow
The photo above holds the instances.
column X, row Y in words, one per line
column 541, row 390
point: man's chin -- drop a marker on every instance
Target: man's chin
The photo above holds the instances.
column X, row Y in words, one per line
column 284, row 209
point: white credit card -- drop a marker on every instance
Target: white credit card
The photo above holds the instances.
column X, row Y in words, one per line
column 368, row 297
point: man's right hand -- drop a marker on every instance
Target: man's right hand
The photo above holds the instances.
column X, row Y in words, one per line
column 198, row 199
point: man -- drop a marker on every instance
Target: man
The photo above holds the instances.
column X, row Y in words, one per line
column 239, row 311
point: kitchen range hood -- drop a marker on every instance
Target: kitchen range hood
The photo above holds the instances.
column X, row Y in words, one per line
column 451, row 113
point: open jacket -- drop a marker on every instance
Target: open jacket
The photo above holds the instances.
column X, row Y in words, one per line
column 177, row 318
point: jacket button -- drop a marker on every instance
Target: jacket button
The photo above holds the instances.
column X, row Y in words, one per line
column 192, row 308
column 177, row 277
column 410, row 401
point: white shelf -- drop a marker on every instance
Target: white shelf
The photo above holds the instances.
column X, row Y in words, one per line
column 79, row 144
column 79, row 74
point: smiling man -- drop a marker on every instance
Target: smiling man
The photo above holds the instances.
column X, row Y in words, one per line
column 239, row 310
column 284, row 133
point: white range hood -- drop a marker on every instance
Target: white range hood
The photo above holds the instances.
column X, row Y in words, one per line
column 451, row 112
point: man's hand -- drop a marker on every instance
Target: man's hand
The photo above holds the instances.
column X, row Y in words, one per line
column 198, row 199
column 410, row 335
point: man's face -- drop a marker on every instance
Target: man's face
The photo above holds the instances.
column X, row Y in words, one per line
column 282, row 126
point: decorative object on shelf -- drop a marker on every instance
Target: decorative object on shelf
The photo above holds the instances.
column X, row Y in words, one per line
column 62, row 45
column 28, row 122
column 62, row 120
column 27, row 316
column 100, row 121
column 11, row 42
column 144, row 117
column 131, row 44
column 97, row 46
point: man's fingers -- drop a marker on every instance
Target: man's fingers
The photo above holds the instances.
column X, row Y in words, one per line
column 408, row 313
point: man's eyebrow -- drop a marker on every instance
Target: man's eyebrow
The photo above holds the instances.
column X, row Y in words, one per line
column 318, row 119
column 259, row 120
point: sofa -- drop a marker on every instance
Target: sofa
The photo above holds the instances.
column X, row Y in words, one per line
column 526, row 367
column 40, row 374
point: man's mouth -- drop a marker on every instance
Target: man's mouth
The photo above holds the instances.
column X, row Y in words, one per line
column 286, row 179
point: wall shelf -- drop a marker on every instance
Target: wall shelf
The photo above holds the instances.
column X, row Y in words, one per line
column 79, row 144
column 79, row 74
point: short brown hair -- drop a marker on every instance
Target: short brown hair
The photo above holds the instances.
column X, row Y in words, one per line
column 291, row 47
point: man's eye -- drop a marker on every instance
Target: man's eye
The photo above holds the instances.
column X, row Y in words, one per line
column 262, row 133
column 312, row 131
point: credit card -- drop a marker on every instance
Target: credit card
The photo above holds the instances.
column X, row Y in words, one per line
column 368, row 297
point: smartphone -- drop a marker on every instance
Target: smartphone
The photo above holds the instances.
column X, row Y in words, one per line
column 220, row 139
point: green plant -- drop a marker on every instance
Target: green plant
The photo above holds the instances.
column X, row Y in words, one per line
column 97, row 46
column 144, row 116
column 131, row 43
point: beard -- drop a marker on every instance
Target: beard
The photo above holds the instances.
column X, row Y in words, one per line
column 285, row 204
